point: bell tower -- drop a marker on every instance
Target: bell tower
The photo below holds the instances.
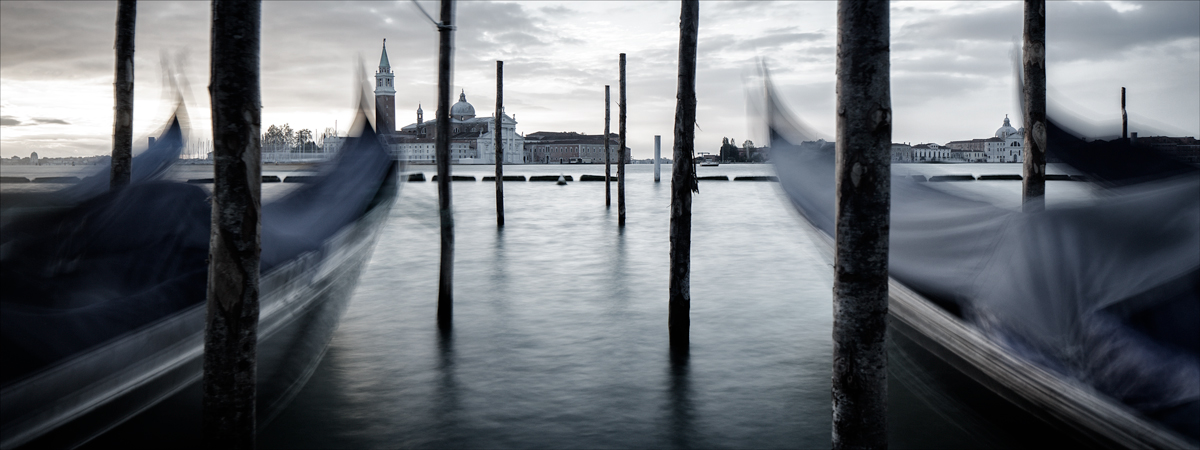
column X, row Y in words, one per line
column 385, row 96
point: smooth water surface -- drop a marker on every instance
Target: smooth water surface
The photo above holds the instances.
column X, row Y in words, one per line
column 560, row 323
column 560, row 327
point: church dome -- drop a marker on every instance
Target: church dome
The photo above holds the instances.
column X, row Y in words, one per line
column 1005, row 130
column 462, row 109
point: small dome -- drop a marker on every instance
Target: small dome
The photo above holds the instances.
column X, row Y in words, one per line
column 1005, row 129
column 462, row 108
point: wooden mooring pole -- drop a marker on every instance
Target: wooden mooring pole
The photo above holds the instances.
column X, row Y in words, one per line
column 621, row 150
column 122, row 149
column 860, row 285
column 231, row 328
column 607, row 150
column 683, row 180
column 1033, row 192
column 445, row 311
column 657, row 156
column 499, row 144
column 1124, row 117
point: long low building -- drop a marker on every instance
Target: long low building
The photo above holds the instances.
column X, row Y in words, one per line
column 547, row 147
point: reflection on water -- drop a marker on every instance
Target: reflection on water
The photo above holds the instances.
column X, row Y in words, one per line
column 680, row 428
column 560, row 329
column 446, row 409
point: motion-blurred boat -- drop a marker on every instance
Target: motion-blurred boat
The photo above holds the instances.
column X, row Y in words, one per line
column 1085, row 317
column 103, row 301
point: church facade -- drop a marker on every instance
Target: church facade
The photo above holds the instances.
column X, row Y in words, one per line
column 1007, row 145
column 472, row 140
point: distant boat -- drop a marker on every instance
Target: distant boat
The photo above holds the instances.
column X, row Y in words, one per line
column 90, row 346
column 709, row 163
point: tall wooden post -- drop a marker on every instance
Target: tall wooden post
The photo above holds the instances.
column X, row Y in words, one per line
column 445, row 83
column 607, row 151
column 683, row 179
column 860, row 284
column 231, row 329
column 657, row 156
column 122, row 150
column 1033, row 192
column 499, row 144
column 621, row 150
column 1124, row 117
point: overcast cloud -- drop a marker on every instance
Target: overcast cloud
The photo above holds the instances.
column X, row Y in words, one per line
column 951, row 66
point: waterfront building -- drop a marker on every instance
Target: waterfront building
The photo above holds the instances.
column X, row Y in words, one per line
column 1014, row 144
column 385, row 96
column 331, row 144
column 472, row 139
column 930, row 152
column 977, row 150
column 901, row 153
column 1007, row 145
column 1185, row 148
column 549, row 147
column 748, row 152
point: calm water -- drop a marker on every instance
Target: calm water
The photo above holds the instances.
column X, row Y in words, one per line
column 560, row 336
column 560, row 326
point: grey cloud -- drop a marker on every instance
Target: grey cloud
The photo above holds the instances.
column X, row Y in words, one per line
column 1096, row 31
column 11, row 121
column 557, row 11
column 82, row 36
column 753, row 7
column 998, row 24
column 917, row 88
column 965, row 61
column 519, row 38
column 498, row 19
column 777, row 40
column 1074, row 30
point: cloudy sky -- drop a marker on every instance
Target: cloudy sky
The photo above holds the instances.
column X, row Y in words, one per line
column 951, row 69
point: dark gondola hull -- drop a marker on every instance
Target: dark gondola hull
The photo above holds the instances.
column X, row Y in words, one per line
column 301, row 304
column 1082, row 415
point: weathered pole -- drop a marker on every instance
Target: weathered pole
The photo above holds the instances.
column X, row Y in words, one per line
column 231, row 328
column 1124, row 117
column 445, row 83
column 499, row 144
column 860, row 284
column 607, row 150
column 1033, row 192
column 621, row 150
column 657, row 156
column 683, row 179
column 122, row 150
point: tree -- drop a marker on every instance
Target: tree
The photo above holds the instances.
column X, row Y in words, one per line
column 729, row 151
column 304, row 136
column 273, row 138
column 279, row 138
column 304, row 141
column 289, row 136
